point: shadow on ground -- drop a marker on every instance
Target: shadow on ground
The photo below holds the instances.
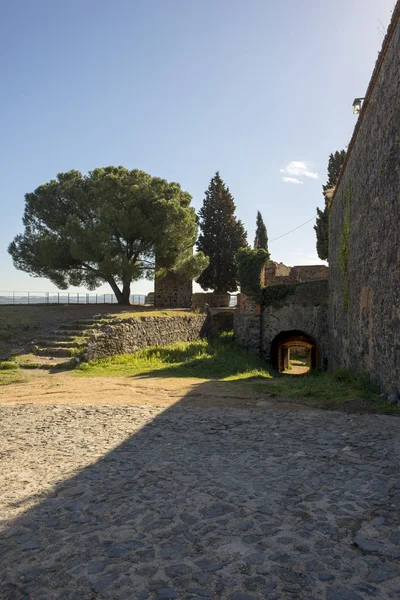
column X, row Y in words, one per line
column 194, row 502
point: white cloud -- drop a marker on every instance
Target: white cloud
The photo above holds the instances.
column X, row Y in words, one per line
column 299, row 168
column 300, row 258
column 291, row 180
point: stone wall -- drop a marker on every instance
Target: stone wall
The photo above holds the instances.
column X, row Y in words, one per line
column 121, row 336
column 303, row 308
column 305, row 273
column 171, row 292
column 364, row 246
column 247, row 323
column 222, row 320
column 199, row 300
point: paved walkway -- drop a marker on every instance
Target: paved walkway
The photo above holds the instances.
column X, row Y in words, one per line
column 144, row 502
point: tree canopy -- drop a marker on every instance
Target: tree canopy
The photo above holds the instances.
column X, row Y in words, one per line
column 221, row 236
column 261, row 238
column 107, row 226
column 251, row 264
column 321, row 226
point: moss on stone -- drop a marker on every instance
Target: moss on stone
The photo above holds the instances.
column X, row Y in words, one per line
column 251, row 263
column 344, row 247
column 275, row 295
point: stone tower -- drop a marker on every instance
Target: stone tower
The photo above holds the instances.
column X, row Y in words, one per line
column 171, row 292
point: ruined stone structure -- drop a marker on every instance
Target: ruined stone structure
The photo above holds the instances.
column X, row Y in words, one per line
column 150, row 298
column 364, row 237
column 303, row 273
column 278, row 273
column 274, row 270
column 171, row 292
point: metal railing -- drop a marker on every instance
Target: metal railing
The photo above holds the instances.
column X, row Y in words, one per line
column 74, row 298
column 64, row 298
column 233, row 300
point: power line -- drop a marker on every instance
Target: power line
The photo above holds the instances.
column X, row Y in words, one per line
column 291, row 231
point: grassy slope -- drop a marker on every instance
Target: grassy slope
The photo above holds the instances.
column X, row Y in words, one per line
column 221, row 359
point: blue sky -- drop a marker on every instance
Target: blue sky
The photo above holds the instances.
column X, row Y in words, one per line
column 180, row 89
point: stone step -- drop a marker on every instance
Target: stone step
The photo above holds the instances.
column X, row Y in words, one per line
column 49, row 362
column 75, row 327
column 42, row 341
column 87, row 322
column 72, row 332
column 58, row 343
column 55, row 351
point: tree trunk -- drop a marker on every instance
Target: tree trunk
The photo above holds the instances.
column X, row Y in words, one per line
column 122, row 297
column 126, row 293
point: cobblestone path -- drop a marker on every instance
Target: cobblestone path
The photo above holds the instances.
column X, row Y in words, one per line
column 126, row 502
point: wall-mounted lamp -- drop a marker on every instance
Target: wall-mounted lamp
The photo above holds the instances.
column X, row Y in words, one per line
column 357, row 105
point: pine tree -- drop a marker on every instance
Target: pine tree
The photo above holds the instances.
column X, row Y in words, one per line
column 107, row 227
column 321, row 226
column 261, row 239
column 221, row 237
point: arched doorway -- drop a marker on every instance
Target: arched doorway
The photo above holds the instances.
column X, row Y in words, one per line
column 295, row 352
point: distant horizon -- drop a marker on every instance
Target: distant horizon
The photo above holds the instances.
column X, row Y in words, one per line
column 82, row 291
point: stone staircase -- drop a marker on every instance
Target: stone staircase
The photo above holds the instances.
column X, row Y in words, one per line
column 63, row 347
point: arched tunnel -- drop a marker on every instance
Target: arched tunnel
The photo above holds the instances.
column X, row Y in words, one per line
column 282, row 344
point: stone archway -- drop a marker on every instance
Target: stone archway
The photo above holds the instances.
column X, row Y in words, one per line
column 285, row 340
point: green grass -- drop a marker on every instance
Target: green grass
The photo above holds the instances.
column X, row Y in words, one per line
column 219, row 358
column 342, row 389
column 298, row 363
column 26, row 361
column 8, row 365
column 222, row 360
column 10, row 373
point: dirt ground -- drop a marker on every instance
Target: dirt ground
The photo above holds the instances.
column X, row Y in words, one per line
column 297, row 370
column 66, row 388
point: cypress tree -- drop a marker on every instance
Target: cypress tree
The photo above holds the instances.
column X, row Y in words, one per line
column 261, row 239
column 221, row 237
column 321, row 226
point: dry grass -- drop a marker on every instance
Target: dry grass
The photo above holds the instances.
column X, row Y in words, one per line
column 10, row 373
column 24, row 316
column 151, row 312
